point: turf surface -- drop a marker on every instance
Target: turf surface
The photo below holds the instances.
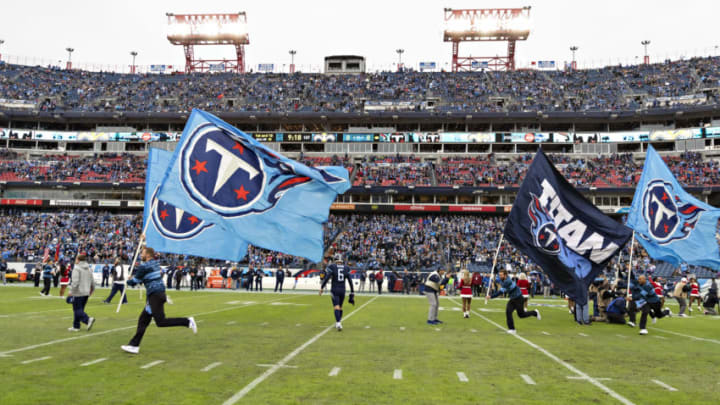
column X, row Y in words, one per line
column 280, row 349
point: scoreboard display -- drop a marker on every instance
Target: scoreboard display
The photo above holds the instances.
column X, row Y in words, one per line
column 297, row 137
column 264, row 137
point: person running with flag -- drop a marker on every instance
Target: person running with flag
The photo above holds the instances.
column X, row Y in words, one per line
column 338, row 273
column 515, row 300
column 150, row 274
column 643, row 294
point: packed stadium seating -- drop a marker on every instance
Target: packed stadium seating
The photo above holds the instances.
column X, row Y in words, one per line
column 608, row 89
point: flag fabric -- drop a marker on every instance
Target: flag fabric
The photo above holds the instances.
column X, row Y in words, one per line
column 671, row 224
column 228, row 178
column 174, row 230
column 570, row 238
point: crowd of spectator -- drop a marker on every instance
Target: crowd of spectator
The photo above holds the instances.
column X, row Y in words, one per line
column 64, row 168
column 607, row 89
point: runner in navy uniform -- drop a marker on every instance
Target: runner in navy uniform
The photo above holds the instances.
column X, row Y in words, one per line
column 338, row 273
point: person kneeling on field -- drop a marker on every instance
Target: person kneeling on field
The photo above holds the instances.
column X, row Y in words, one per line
column 150, row 274
column 617, row 310
column 515, row 300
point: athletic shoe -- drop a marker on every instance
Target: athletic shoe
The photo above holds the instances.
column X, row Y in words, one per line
column 654, row 321
column 131, row 349
column 631, row 324
column 106, row 302
column 643, row 331
column 74, row 329
column 438, row 321
column 431, row 322
column 192, row 324
column 91, row 322
column 538, row 314
column 338, row 326
column 42, row 295
column 669, row 312
column 682, row 316
column 512, row 331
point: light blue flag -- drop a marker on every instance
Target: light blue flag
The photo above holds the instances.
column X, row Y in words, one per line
column 174, row 230
column 672, row 225
column 228, row 178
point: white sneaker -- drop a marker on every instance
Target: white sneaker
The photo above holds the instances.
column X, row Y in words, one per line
column 669, row 312
column 538, row 314
column 643, row 331
column 74, row 329
column 631, row 324
column 683, row 315
column 512, row 331
column 192, row 324
column 338, row 326
column 91, row 322
column 131, row 349
column 654, row 321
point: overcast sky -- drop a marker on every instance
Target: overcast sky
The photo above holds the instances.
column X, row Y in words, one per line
column 104, row 32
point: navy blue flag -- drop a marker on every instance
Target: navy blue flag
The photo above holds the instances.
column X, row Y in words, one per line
column 561, row 231
column 225, row 177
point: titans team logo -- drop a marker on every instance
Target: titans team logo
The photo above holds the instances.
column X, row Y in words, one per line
column 174, row 223
column 668, row 217
column 221, row 172
column 546, row 237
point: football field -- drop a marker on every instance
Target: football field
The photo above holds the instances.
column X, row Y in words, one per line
column 265, row 348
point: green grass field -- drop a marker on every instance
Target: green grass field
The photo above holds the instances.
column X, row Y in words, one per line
column 280, row 349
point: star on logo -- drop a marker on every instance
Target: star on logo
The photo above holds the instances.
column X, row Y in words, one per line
column 199, row 167
column 193, row 220
column 242, row 193
column 239, row 147
column 164, row 214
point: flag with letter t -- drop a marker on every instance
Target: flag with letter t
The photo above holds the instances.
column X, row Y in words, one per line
column 174, row 230
column 226, row 177
column 671, row 224
column 570, row 238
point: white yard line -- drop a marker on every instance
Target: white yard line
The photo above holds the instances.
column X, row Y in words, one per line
column 659, row 337
column 367, row 326
column 662, row 384
column 152, row 364
column 593, row 381
column 402, row 328
column 688, row 336
column 35, row 313
column 527, row 379
column 31, row 347
column 90, row 363
column 545, row 333
column 473, row 330
column 334, row 372
column 576, row 377
column 254, row 383
column 276, row 365
column 582, row 334
column 34, row 360
column 621, row 336
column 462, row 377
column 397, row 374
column 211, row 366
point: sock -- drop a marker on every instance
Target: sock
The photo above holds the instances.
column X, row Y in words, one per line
column 338, row 315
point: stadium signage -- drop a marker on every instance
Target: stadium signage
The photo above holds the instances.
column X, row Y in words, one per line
column 71, row 203
column 136, row 203
column 14, row 201
column 422, row 208
column 472, row 208
column 342, row 206
column 266, row 67
column 109, row 203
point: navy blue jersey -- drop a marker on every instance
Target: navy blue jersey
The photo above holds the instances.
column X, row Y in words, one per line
column 338, row 273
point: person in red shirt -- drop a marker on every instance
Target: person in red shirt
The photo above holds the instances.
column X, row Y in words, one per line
column 476, row 283
column 524, row 285
column 695, row 294
column 64, row 278
column 658, row 290
column 466, row 291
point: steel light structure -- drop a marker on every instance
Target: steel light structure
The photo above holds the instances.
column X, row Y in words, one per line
column 482, row 25
column 189, row 30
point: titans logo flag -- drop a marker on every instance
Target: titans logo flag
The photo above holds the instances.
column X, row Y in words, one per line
column 672, row 225
column 225, row 177
column 561, row 231
column 174, row 230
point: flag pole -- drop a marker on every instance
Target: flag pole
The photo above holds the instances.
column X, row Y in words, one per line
column 492, row 272
column 632, row 247
column 137, row 251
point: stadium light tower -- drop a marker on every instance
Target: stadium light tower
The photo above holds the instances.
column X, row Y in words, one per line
column 2, row 41
column 573, row 49
column 69, row 60
column 491, row 24
column 189, row 30
column 399, row 51
column 292, row 53
column 132, row 67
column 646, row 59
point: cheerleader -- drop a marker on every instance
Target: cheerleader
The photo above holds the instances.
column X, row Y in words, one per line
column 64, row 278
column 466, row 292
column 523, row 284
column 695, row 294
